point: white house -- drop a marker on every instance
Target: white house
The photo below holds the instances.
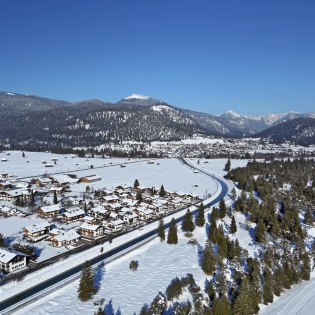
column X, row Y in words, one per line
column 116, row 225
column 11, row 260
column 92, row 230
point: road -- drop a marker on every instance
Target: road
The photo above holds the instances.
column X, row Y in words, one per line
column 14, row 302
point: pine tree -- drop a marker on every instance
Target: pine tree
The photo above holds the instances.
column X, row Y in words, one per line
column 2, row 240
column 245, row 301
column 32, row 196
column 222, row 207
column 267, row 287
column 221, row 306
column 200, row 220
column 161, row 231
column 305, row 272
column 208, row 259
column 214, row 216
column 55, row 197
column 213, row 231
column 139, row 196
column 233, row 194
column 211, row 292
column 227, row 167
column 172, row 233
column 86, row 288
column 136, row 184
column 260, row 232
column 233, row 227
column 145, row 310
column 188, row 223
column 162, row 191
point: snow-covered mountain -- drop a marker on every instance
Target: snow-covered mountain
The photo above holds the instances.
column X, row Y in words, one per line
column 32, row 121
column 300, row 130
column 139, row 99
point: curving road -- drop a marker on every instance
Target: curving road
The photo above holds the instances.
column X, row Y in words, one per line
column 8, row 306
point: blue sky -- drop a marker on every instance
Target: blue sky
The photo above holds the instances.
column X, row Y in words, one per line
column 249, row 56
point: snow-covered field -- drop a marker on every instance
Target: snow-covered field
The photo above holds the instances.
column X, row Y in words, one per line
column 127, row 291
column 171, row 173
column 159, row 263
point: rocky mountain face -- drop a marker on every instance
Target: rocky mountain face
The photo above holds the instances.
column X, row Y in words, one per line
column 33, row 122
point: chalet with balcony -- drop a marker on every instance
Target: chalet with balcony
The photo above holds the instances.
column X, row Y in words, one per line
column 11, row 260
column 91, row 230
column 37, row 231
column 50, row 211
column 73, row 215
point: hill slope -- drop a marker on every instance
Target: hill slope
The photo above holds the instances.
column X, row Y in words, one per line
column 299, row 131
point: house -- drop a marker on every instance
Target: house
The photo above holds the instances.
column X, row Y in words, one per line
column 59, row 190
column 91, row 230
column 11, row 260
column 130, row 218
column 98, row 212
column 73, row 215
column 89, row 219
column 4, row 175
column 49, row 211
column 111, row 198
column 116, row 225
column 5, row 184
column 11, row 195
column 6, row 211
column 145, row 213
column 90, row 179
column 62, row 238
column 37, row 231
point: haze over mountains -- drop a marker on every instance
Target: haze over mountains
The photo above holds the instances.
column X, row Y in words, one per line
column 33, row 121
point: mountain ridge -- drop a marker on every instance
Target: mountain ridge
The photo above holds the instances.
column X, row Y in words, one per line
column 35, row 120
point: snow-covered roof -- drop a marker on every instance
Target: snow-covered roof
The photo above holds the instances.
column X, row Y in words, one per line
column 146, row 211
column 88, row 218
column 117, row 222
column 67, row 236
column 74, row 213
column 17, row 192
column 111, row 197
column 125, row 209
column 5, row 209
column 92, row 227
column 130, row 216
column 51, row 208
column 37, row 227
column 6, row 255
column 99, row 209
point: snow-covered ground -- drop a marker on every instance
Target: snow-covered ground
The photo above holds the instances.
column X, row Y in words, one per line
column 170, row 172
column 31, row 164
column 159, row 263
column 127, row 291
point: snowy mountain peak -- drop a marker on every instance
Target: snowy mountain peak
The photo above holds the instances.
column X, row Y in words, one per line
column 139, row 99
column 135, row 96
column 231, row 113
